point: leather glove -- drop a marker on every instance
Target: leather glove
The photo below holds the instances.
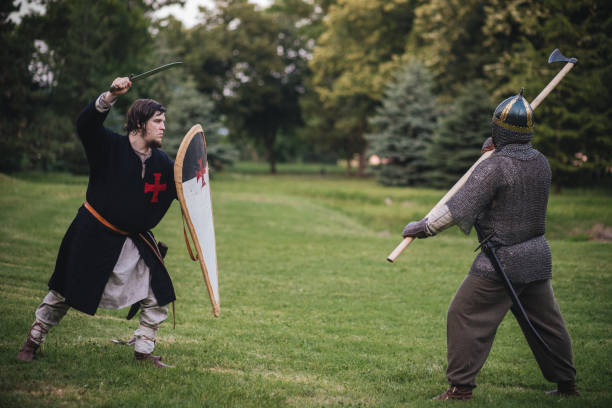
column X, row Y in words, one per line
column 416, row 229
column 487, row 145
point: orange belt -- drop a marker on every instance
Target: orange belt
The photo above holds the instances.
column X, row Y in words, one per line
column 119, row 231
column 110, row 226
column 103, row 220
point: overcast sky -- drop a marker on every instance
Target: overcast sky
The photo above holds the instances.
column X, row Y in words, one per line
column 189, row 13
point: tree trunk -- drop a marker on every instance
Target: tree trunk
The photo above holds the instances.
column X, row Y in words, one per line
column 361, row 158
column 349, row 172
column 362, row 164
column 271, row 149
column 272, row 162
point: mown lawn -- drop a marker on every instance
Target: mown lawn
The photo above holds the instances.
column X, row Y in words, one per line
column 311, row 313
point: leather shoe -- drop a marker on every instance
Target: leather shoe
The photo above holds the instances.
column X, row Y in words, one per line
column 28, row 351
column 565, row 389
column 455, row 392
column 156, row 360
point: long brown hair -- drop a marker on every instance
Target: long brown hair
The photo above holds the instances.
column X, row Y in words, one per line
column 140, row 112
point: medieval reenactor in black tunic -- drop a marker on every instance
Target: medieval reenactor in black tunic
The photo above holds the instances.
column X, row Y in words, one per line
column 505, row 199
column 108, row 257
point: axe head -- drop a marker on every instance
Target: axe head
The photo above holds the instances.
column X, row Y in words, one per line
column 556, row 56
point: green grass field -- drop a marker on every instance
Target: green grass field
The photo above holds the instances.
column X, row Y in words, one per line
column 311, row 313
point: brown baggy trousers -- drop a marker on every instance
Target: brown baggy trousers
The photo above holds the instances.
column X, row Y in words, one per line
column 476, row 311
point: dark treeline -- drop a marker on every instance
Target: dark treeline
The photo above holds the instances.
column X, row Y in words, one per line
column 413, row 82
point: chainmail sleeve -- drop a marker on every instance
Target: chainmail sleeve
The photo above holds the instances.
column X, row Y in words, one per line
column 476, row 195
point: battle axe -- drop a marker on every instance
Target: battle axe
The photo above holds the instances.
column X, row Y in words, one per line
column 154, row 71
column 555, row 56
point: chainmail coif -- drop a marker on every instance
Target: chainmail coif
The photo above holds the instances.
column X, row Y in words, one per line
column 502, row 136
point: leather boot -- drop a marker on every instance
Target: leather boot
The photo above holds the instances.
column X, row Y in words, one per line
column 156, row 360
column 455, row 392
column 565, row 389
column 36, row 335
column 28, row 351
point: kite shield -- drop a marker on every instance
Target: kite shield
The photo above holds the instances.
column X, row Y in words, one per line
column 193, row 190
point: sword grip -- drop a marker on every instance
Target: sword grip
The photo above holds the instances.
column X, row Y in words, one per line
column 113, row 88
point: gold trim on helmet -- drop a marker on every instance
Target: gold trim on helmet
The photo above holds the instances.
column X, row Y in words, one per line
column 506, row 110
column 508, row 126
column 503, row 115
column 529, row 111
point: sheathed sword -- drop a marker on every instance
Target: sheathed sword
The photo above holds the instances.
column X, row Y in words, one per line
column 146, row 74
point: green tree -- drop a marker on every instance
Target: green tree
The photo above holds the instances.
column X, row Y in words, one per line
column 353, row 60
column 454, row 52
column 252, row 63
column 80, row 48
column 457, row 141
column 404, row 126
column 507, row 43
column 573, row 127
column 16, row 84
column 187, row 107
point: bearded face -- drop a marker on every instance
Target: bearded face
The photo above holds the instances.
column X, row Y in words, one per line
column 153, row 131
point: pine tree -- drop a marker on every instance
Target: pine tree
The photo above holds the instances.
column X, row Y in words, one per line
column 188, row 107
column 76, row 48
column 15, row 82
column 403, row 127
column 507, row 43
column 458, row 140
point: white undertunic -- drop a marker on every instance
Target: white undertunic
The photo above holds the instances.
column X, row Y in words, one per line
column 130, row 280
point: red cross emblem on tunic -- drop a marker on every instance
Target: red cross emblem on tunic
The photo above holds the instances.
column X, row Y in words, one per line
column 155, row 187
column 200, row 173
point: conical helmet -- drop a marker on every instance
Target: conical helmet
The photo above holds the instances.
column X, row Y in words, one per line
column 513, row 121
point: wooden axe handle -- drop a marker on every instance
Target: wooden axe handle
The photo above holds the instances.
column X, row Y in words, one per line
column 398, row 249
column 536, row 102
column 407, row 241
column 551, row 85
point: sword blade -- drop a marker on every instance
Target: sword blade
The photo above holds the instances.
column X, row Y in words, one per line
column 153, row 71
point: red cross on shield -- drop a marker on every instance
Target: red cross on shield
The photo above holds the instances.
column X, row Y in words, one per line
column 200, row 172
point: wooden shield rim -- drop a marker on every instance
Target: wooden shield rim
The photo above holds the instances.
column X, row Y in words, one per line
column 178, row 180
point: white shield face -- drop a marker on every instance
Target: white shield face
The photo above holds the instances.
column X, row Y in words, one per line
column 193, row 190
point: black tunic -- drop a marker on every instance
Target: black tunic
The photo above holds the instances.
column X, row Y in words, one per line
column 117, row 191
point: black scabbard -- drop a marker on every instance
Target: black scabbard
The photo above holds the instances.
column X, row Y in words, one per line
column 519, row 312
column 133, row 310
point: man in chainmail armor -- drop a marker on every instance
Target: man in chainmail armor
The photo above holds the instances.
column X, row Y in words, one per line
column 505, row 198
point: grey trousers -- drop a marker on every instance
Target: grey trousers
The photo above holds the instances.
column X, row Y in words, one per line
column 475, row 313
column 53, row 308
